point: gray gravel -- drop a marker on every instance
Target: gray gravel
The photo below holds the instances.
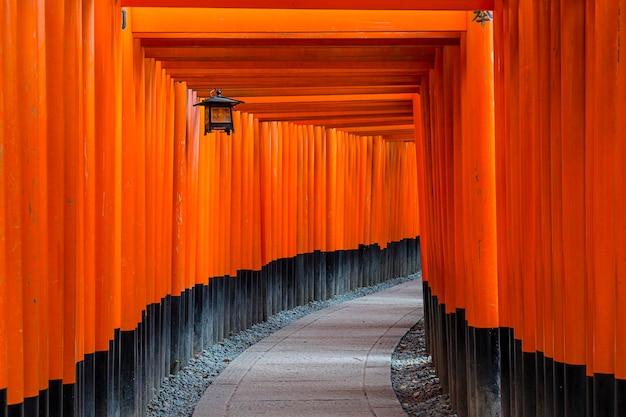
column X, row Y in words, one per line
column 414, row 380
column 180, row 393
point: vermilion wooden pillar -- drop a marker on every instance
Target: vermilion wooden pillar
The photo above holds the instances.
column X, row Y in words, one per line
column 601, row 59
column 480, row 176
column 575, row 315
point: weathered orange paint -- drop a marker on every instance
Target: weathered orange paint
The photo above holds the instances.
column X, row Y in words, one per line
column 421, row 182
column 192, row 130
column 203, row 250
column 11, row 146
column 601, row 140
column 555, row 158
column 480, row 77
column 4, row 296
column 181, row 148
column 289, row 20
column 504, row 286
column 32, row 193
column 55, row 36
column 87, row 186
column 236, row 190
column 325, row 4
column 620, row 217
column 265, row 187
column 529, row 134
column 130, row 216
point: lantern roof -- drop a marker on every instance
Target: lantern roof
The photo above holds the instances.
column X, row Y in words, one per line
column 218, row 99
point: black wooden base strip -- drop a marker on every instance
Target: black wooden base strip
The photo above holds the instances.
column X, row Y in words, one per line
column 317, row 275
column 487, row 357
column 166, row 336
column 603, row 395
column 114, row 374
column 518, row 404
column 15, row 410
column 248, row 291
column 199, row 311
column 529, row 384
column 89, row 388
column 128, row 373
column 44, row 401
column 69, row 397
column 189, row 324
column 230, row 315
column 442, row 355
column 207, row 316
column 506, row 355
column 31, row 406
column 3, row 402
column 292, row 299
column 540, row 384
column 451, row 357
column 559, row 389
column 101, row 378
column 575, row 399
column 301, row 279
column 427, row 318
column 175, row 336
column 590, row 395
column 140, row 363
column 548, row 387
column 472, row 392
column 461, row 363
column 620, row 397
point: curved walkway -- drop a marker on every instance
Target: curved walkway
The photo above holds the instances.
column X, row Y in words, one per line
column 334, row 362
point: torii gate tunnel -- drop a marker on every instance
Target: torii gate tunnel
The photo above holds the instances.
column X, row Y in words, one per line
column 482, row 141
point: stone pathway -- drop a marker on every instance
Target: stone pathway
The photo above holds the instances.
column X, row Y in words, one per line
column 334, row 362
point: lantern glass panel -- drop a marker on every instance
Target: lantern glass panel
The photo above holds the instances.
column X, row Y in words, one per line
column 221, row 115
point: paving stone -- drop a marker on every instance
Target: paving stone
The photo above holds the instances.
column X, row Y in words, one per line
column 335, row 362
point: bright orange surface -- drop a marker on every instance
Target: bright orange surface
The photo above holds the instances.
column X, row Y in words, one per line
column 286, row 21
column 323, row 4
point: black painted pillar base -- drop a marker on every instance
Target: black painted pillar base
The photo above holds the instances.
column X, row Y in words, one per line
column 487, row 357
column 529, row 384
column 55, row 398
column 69, row 397
column 89, row 386
column 548, row 388
column 3, row 402
column 461, row 405
column 442, row 356
column 31, row 406
column 16, row 410
column 506, row 354
column 44, row 401
column 176, row 342
column 128, row 371
column 451, row 319
column 603, row 395
column 200, row 318
column 620, row 397
column 540, row 384
column 559, row 389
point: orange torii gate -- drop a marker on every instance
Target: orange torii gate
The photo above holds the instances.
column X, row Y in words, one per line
column 498, row 143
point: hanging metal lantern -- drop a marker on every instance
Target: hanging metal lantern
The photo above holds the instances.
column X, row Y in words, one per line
column 218, row 112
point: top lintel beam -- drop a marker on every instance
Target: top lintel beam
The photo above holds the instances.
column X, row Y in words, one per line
column 287, row 21
column 322, row 4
